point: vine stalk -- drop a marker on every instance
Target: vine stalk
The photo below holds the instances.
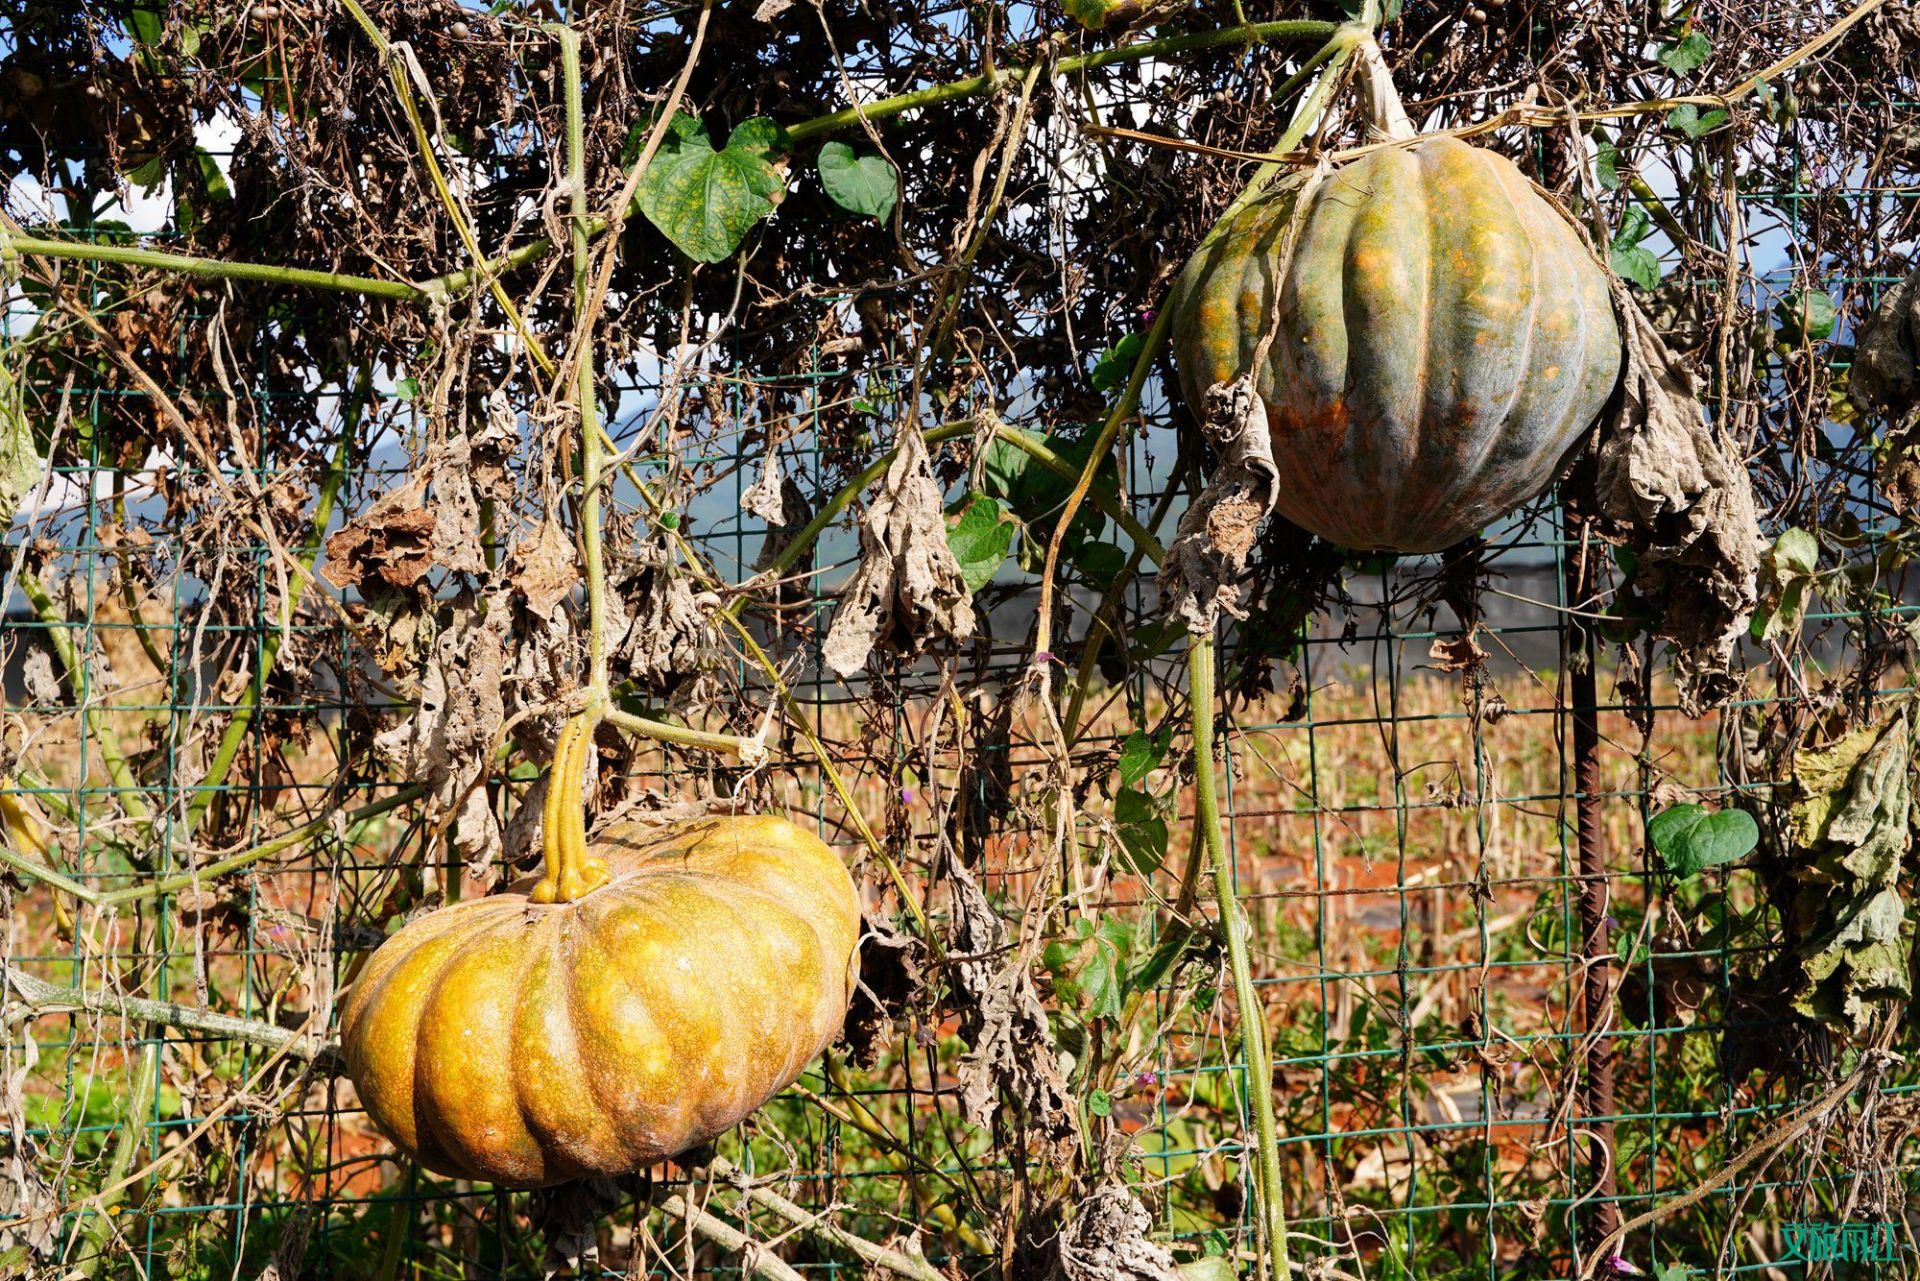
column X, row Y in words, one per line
column 1254, row 1046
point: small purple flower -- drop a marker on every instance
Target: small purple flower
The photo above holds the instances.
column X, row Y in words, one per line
column 1624, row 1267
column 1042, row 658
column 1149, row 314
column 906, row 795
column 1147, row 1080
column 1613, row 922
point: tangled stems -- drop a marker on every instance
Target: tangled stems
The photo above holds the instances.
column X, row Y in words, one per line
column 440, row 288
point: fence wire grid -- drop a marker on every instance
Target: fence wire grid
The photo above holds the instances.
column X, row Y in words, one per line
column 1401, row 798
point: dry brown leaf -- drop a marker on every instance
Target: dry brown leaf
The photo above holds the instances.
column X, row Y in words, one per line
column 1201, row 573
column 1885, row 377
column 28, row 1203
column 391, row 542
column 660, row 626
column 1666, row 484
column 1010, row 1051
column 494, row 446
column 1107, row 1240
column 908, row 589
column 544, row 569
column 767, row 496
column 891, row 981
column 447, row 743
column 455, row 508
column 1460, row 654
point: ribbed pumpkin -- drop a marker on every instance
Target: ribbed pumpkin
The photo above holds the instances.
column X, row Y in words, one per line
column 636, row 1002
column 1440, row 340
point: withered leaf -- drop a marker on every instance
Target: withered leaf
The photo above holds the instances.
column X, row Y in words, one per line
column 890, row 982
column 908, row 589
column 455, row 507
column 29, row 1205
column 447, row 743
column 1851, row 826
column 493, row 448
column 1201, row 573
column 1885, row 376
column 1010, row 1057
column 391, row 542
column 1663, row 481
column 1458, row 654
column 767, row 496
column 661, row 626
column 1106, row 1240
column 544, row 568
column 1885, row 379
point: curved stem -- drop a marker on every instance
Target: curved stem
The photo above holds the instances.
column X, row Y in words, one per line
column 570, row 871
column 212, row 268
column 976, row 86
column 1253, row 1021
column 591, row 461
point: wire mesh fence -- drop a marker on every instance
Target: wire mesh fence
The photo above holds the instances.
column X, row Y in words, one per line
column 1438, row 775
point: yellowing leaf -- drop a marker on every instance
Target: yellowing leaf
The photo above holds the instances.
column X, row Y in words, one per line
column 706, row 200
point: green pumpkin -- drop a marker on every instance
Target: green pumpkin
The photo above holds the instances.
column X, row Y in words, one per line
column 1441, row 341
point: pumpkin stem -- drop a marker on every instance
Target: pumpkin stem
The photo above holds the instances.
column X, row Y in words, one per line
column 1382, row 100
column 570, row 871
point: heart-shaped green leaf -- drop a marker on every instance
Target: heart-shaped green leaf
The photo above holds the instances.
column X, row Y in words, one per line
column 1683, row 55
column 1142, row 832
column 862, row 184
column 1638, row 264
column 1691, row 838
column 1140, row 755
column 980, row 540
column 1807, row 315
column 704, row 200
column 1693, row 122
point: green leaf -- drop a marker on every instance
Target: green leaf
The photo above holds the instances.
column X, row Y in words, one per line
column 1151, row 640
column 862, row 184
column 210, row 175
column 1606, row 165
column 1100, row 1103
column 1115, row 366
column 1035, row 494
column 705, row 201
column 1673, row 1272
column 1142, row 832
column 1100, row 562
column 1789, row 565
column 1638, row 264
column 149, row 175
column 1684, row 54
column 406, row 389
column 148, row 26
column 1807, row 315
column 1635, row 227
column 980, row 540
column 1140, row 755
column 1796, row 551
column 1691, row 838
column 1694, row 123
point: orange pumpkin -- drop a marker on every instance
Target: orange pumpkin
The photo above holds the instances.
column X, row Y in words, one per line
column 1429, row 337
column 636, row 1002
